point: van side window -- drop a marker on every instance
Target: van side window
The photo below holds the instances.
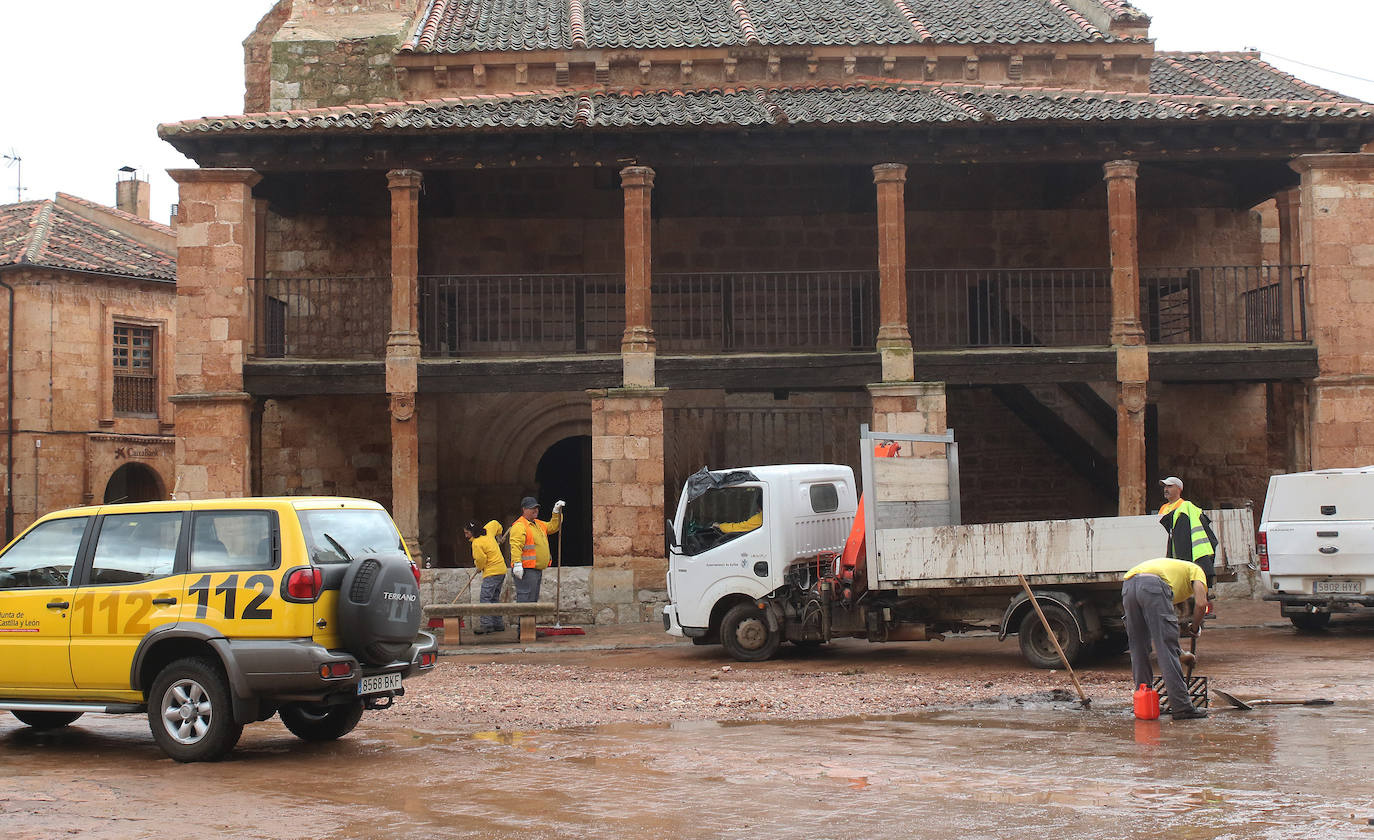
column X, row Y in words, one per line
column 824, row 498
column 44, row 556
column 230, row 540
column 136, row 546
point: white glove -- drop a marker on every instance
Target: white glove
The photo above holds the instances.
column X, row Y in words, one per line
column 558, row 506
column 518, row 570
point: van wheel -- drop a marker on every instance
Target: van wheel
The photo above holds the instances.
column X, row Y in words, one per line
column 46, row 720
column 745, row 635
column 1311, row 622
column 318, row 722
column 191, row 713
column 1036, row 646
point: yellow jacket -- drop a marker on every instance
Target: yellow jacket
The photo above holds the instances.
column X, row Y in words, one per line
column 541, row 530
column 486, row 554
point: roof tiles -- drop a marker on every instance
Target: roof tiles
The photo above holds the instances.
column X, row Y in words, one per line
column 455, row 26
column 1231, row 74
column 41, row 233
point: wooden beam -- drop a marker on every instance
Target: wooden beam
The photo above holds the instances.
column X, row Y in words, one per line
column 1232, row 363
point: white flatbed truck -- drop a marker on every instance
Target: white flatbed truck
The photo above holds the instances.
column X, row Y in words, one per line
column 757, row 556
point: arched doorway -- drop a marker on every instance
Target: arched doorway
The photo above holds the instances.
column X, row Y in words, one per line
column 565, row 472
column 134, row 483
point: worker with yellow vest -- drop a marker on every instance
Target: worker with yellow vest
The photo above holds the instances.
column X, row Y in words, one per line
column 1189, row 529
column 529, row 547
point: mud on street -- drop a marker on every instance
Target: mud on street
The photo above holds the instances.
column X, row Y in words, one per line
column 953, row 739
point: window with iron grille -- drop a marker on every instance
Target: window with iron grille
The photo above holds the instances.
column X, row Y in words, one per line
column 135, row 372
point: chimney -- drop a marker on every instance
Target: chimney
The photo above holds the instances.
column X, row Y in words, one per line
column 133, row 195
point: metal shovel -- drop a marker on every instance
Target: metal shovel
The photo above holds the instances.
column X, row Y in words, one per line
column 1247, row 705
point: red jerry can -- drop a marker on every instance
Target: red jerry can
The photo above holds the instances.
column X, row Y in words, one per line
column 1146, row 702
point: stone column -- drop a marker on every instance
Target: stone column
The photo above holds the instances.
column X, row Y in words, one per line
column 894, row 335
column 911, row 408
column 628, row 578
column 1337, row 242
column 637, row 343
column 403, row 353
column 1132, row 357
column 215, row 248
column 1289, row 205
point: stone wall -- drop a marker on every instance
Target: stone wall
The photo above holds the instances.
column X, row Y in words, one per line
column 1216, row 439
column 63, row 383
column 326, row 446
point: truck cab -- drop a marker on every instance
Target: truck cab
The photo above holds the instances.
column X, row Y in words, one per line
column 735, row 536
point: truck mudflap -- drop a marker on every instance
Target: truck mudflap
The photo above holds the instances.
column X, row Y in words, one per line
column 1019, row 604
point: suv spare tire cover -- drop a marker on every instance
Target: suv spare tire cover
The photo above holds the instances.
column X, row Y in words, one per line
column 379, row 609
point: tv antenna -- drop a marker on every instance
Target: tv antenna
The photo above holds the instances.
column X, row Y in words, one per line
column 17, row 162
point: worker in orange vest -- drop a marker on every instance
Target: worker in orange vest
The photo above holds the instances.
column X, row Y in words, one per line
column 529, row 547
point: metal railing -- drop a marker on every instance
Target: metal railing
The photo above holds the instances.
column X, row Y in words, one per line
column 503, row 314
column 995, row 307
column 323, row 317
column 1224, row 304
column 778, row 311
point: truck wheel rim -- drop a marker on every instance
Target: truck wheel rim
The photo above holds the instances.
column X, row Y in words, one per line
column 186, row 711
column 752, row 634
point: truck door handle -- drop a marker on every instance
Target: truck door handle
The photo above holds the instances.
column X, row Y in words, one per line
column 164, row 602
column 59, row 605
column 1328, row 549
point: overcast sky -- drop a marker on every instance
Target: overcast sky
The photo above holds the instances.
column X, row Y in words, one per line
column 87, row 81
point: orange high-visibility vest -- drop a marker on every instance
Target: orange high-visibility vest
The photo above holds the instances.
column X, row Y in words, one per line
column 529, row 554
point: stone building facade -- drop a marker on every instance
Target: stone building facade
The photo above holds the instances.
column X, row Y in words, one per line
column 91, row 294
column 461, row 251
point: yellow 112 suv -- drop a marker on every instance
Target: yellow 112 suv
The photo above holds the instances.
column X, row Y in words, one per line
column 209, row 615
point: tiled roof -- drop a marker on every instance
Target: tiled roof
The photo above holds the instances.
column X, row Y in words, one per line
column 119, row 214
column 453, row 26
column 869, row 101
column 1241, row 74
column 41, row 233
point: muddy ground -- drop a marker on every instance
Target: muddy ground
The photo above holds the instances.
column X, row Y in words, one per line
column 580, row 739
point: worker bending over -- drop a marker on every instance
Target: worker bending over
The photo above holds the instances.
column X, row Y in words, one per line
column 1149, row 594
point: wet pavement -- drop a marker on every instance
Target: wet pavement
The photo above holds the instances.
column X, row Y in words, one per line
column 1035, row 767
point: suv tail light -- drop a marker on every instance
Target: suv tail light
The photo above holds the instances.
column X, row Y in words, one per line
column 305, row 584
column 415, row 570
column 1262, row 549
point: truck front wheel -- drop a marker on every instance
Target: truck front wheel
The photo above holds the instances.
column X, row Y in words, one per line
column 1036, row 646
column 746, row 636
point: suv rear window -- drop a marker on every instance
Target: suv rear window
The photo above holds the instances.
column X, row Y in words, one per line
column 359, row 533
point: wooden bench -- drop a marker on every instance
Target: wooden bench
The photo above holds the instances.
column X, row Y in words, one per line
column 452, row 614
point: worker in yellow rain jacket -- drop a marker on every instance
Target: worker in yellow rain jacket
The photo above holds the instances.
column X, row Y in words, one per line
column 529, row 547
column 491, row 565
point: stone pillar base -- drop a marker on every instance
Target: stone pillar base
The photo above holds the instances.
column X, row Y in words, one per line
column 628, row 578
column 213, row 451
column 911, row 408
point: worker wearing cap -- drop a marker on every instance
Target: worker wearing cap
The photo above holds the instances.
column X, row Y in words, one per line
column 491, row 565
column 1149, row 594
column 1190, row 536
column 529, row 547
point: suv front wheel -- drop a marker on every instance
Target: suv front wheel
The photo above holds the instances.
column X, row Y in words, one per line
column 318, row 722
column 191, row 713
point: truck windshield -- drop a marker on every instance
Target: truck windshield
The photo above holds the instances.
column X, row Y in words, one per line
column 359, row 533
column 718, row 516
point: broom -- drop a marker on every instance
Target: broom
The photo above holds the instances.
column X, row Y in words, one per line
column 558, row 629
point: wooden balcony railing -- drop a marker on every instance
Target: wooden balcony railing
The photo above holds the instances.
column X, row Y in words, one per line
column 783, row 311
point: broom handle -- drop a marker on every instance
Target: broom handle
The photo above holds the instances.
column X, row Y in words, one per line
column 1053, row 638
column 558, row 581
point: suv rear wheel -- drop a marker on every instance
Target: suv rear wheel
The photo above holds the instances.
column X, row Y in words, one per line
column 318, row 722
column 46, row 720
column 191, row 713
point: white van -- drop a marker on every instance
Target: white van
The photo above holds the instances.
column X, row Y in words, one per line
column 1316, row 544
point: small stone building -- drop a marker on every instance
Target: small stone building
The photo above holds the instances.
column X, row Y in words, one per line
column 458, row 251
column 88, row 347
